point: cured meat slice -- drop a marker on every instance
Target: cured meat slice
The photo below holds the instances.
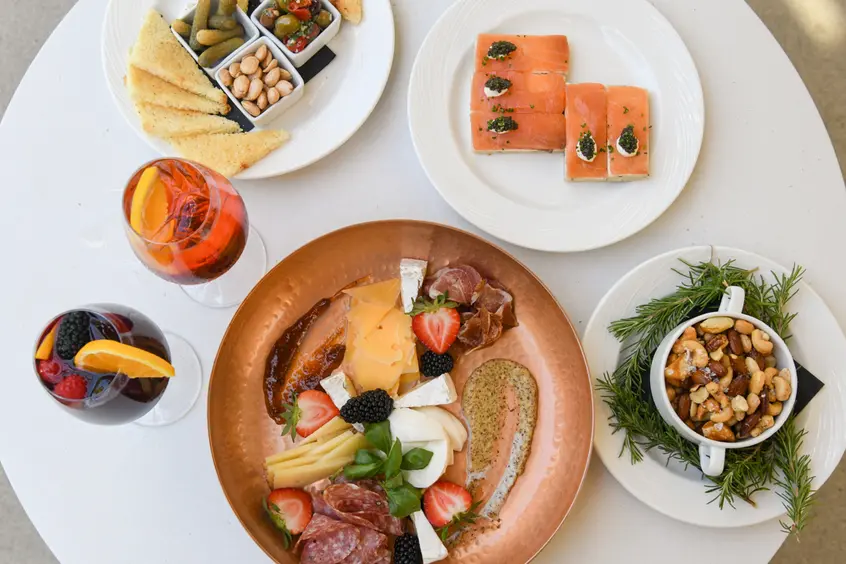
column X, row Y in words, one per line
column 533, row 53
column 480, row 329
column 458, row 282
column 534, row 132
column 528, row 93
column 628, row 107
column 499, row 301
column 357, row 506
column 587, row 118
column 371, row 549
column 327, row 541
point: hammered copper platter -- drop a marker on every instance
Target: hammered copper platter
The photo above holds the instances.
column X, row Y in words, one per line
column 242, row 435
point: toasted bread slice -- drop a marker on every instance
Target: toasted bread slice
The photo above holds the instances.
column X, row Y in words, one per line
column 230, row 154
column 159, row 53
column 168, row 122
column 144, row 88
column 350, row 9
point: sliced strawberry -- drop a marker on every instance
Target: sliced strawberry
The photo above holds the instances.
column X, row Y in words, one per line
column 290, row 510
column 310, row 411
column 73, row 387
column 436, row 323
column 445, row 504
column 49, row 370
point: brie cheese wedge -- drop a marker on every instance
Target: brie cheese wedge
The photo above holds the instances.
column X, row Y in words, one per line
column 412, row 273
column 340, row 389
column 430, row 543
column 452, row 425
column 438, row 391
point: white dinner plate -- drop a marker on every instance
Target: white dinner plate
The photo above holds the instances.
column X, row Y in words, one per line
column 817, row 343
column 335, row 104
column 523, row 198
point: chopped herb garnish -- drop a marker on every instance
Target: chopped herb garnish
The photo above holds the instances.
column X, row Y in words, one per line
column 502, row 124
column 602, row 149
column 584, row 125
column 501, row 49
column 586, row 146
column 480, row 129
column 498, row 84
column 532, row 106
column 610, row 148
column 650, row 127
column 625, row 110
column 628, row 141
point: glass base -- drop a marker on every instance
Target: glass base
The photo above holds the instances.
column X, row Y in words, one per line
column 231, row 288
column 182, row 391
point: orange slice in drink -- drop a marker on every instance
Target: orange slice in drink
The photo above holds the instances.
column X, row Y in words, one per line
column 150, row 208
column 107, row 357
column 45, row 349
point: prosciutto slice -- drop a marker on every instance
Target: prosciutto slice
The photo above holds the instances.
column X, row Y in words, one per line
column 494, row 298
column 480, row 329
column 357, row 506
column 458, row 282
column 327, row 541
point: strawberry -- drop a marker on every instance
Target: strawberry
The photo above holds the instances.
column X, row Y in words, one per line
column 49, row 370
column 290, row 510
column 436, row 323
column 73, row 387
column 310, row 411
column 446, row 504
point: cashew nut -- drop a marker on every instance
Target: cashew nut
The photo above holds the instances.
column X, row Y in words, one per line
column 696, row 351
column 775, row 408
column 746, row 343
column 717, row 324
column 676, row 371
column 769, row 373
column 756, row 384
column 717, row 355
column 694, row 409
column 725, row 381
column 671, row 393
column 761, row 342
column 767, row 421
column 712, row 387
column 756, row 432
column 743, row 327
column 699, row 395
column 677, row 347
column 701, row 414
column 782, row 388
column 751, row 365
column 723, row 416
column 711, row 405
column 739, row 404
column 688, row 334
column 753, row 401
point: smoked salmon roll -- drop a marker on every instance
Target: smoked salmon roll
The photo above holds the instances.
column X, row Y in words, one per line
column 587, row 136
column 495, row 132
column 628, row 133
column 522, row 92
column 539, row 54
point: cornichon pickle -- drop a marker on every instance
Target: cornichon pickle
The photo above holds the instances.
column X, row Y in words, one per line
column 223, row 23
column 181, row 28
column 213, row 55
column 201, row 22
column 227, row 7
column 210, row 37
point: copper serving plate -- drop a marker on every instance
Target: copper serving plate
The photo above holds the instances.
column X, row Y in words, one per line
column 242, row 435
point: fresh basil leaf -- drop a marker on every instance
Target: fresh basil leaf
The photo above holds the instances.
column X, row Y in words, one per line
column 367, row 457
column 403, row 501
column 416, row 459
column 379, row 435
column 394, row 460
column 360, row 471
column 392, row 483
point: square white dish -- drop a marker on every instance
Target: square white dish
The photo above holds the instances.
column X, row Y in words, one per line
column 301, row 58
column 251, row 33
column 283, row 104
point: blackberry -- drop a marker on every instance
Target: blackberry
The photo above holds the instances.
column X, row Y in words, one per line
column 73, row 334
column 433, row 364
column 407, row 550
column 370, row 407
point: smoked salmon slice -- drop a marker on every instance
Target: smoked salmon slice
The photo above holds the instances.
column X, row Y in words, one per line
column 524, row 92
column 587, row 132
column 529, row 132
column 628, row 132
column 526, row 53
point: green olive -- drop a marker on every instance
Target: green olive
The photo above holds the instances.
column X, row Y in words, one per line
column 323, row 19
column 286, row 25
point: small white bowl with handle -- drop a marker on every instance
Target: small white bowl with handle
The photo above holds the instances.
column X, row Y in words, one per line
column 712, row 453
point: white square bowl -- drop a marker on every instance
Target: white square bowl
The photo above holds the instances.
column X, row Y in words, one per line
column 301, row 58
column 251, row 33
column 280, row 107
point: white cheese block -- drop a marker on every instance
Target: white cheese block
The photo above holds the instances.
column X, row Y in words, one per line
column 441, row 452
column 410, row 426
column 340, row 389
column 412, row 273
column 430, row 543
column 454, row 428
column 438, row 391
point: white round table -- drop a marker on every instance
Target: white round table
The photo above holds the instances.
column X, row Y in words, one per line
column 140, row 495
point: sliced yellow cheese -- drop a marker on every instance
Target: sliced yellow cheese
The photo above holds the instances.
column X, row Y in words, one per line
column 349, row 447
column 386, row 292
column 296, row 452
column 332, row 428
column 365, row 317
column 370, row 374
column 331, row 444
column 301, row 476
column 412, row 366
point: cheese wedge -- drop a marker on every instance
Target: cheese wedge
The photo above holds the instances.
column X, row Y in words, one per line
column 385, row 292
column 144, row 88
column 169, row 122
column 157, row 52
column 229, row 154
column 438, row 391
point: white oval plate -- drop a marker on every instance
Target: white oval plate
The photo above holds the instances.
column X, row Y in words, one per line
column 336, row 102
column 817, row 343
column 523, row 197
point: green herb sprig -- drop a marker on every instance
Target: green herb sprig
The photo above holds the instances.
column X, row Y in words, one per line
column 747, row 471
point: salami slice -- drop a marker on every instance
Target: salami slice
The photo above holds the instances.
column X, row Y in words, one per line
column 358, row 506
column 326, row 541
column 371, row 549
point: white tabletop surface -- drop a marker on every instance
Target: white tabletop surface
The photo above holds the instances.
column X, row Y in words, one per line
column 138, row 495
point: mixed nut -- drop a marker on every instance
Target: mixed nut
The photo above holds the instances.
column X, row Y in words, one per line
column 723, row 381
column 257, row 81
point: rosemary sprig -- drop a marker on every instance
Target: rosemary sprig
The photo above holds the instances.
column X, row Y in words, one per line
column 747, row 471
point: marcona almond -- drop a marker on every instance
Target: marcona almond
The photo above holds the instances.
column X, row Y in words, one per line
column 262, row 102
column 272, row 78
column 259, row 74
column 249, row 65
column 261, row 54
column 235, row 70
column 273, row 64
column 256, row 88
column 286, row 75
column 240, row 87
column 273, row 96
column 251, row 108
column 226, row 78
column 267, row 59
column 285, row 88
